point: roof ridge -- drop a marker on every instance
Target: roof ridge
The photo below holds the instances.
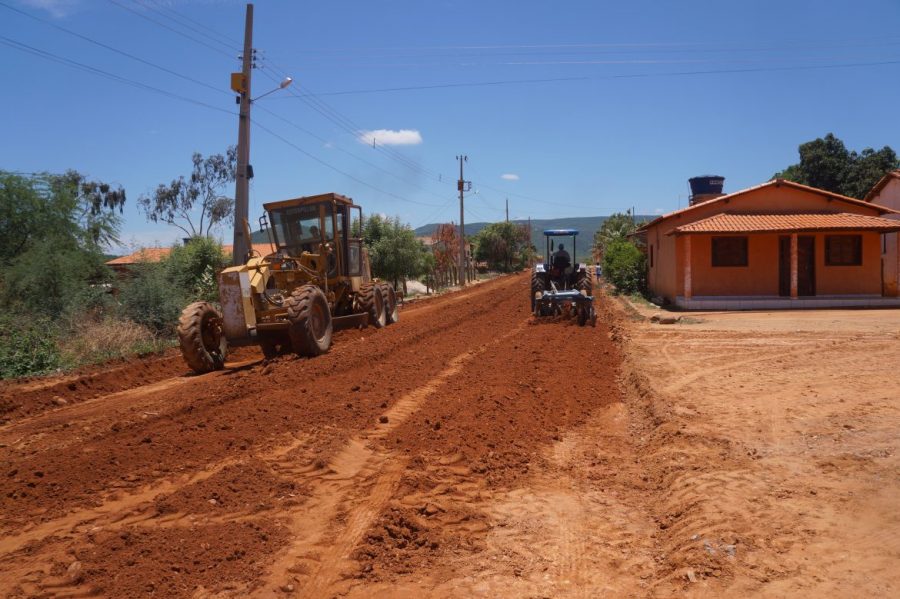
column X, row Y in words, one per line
column 776, row 182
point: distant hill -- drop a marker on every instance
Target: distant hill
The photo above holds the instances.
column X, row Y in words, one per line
column 586, row 225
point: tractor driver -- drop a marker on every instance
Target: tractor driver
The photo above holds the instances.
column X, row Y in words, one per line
column 561, row 258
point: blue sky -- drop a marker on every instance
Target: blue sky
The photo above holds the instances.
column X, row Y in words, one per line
column 630, row 99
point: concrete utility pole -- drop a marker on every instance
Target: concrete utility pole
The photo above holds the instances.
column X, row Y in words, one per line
column 463, row 186
column 507, row 209
column 244, row 172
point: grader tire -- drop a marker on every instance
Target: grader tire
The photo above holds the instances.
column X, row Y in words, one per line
column 310, row 317
column 200, row 335
column 372, row 302
column 391, row 309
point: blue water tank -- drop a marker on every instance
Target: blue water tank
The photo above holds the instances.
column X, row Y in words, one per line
column 707, row 184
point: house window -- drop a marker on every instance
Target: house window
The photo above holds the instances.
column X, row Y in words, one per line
column 729, row 251
column 843, row 250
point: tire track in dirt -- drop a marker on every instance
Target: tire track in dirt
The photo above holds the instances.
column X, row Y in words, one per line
column 227, row 403
column 685, row 380
column 487, row 506
column 359, row 465
column 400, row 362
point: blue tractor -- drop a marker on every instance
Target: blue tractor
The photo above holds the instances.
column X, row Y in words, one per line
column 562, row 286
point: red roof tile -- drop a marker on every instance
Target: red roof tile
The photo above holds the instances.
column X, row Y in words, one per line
column 776, row 223
column 775, row 182
column 158, row 254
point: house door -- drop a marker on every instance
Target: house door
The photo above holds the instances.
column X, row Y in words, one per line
column 806, row 265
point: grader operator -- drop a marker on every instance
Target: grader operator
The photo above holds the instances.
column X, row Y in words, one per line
column 316, row 280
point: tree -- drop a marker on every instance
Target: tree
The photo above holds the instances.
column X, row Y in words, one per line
column 625, row 266
column 502, row 245
column 827, row 164
column 67, row 206
column 52, row 229
column 394, row 252
column 196, row 205
column 193, row 267
column 616, row 227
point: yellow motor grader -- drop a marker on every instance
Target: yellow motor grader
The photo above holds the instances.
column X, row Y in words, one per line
column 316, row 280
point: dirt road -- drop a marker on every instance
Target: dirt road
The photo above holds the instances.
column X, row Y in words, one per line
column 466, row 451
column 304, row 477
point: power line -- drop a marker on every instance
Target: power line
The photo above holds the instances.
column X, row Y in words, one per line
column 113, row 49
column 565, row 46
column 172, row 29
column 434, row 214
column 192, row 25
column 351, row 127
column 87, row 68
column 352, row 155
column 323, row 140
column 93, row 70
column 609, row 77
column 337, row 170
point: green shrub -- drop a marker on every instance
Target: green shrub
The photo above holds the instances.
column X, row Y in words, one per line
column 152, row 300
column 27, row 345
column 625, row 266
column 48, row 277
column 193, row 268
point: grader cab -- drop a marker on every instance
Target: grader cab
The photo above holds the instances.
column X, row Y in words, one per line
column 316, row 280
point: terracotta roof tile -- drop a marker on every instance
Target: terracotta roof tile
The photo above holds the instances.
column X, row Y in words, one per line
column 158, row 254
column 775, row 223
column 773, row 182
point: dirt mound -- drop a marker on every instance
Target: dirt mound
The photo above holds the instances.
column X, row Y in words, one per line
column 174, row 562
column 249, row 487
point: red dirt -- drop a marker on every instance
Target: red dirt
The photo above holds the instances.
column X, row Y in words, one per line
column 464, row 451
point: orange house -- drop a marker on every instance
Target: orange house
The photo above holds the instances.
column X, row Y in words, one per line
column 776, row 245
column 887, row 193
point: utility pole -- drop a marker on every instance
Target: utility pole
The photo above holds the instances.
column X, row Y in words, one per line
column 240, row 82
column 463, row 186
column 507, row 209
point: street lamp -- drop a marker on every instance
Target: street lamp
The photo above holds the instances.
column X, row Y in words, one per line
column 286, row 82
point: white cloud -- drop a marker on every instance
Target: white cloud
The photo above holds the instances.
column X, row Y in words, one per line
column 57, row 8
column 389, row 137
column 509, row 177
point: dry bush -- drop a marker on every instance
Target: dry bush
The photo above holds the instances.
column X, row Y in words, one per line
column 93, row 341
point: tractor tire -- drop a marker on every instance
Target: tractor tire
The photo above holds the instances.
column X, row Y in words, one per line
column 583, row 311
column 272, row 347
column 310, row 319
column 391, row 309
column 537, row 284
column 200, row 335
column 371, row 300
column 584, row 284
